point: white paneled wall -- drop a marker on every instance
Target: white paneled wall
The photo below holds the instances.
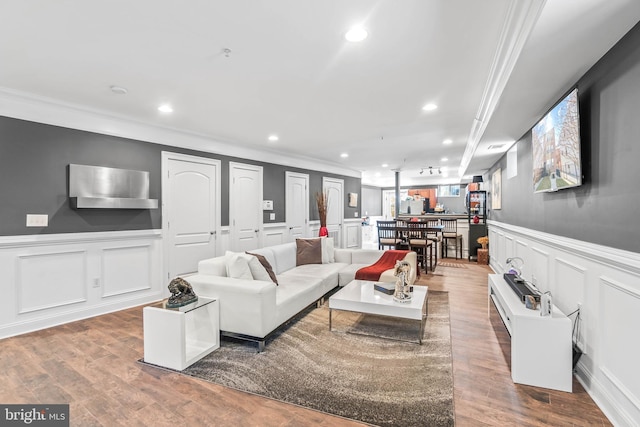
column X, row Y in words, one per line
column 276, row 234
column 606, row 283
column 58, row 278
column 353, row 233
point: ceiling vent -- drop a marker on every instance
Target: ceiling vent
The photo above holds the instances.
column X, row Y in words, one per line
column 495, row 146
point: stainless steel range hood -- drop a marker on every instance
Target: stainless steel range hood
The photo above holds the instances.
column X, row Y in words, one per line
column 97, row 187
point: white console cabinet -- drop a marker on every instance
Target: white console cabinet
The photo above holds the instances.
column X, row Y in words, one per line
column 178, row 337
column 539, row 348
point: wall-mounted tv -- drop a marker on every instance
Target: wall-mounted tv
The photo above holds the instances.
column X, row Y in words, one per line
column 556, row 147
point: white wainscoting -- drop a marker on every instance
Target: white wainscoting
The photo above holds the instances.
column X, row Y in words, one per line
column 276, row 234
column 59, row 278
column 353, row 233
column 606, row 282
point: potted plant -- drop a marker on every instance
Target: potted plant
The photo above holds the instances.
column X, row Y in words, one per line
column 322, row 200
column 484, row 241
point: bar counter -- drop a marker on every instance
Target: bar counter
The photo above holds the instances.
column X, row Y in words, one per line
column 429, row 216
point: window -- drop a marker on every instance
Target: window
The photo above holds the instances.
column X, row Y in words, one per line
column 449, row 190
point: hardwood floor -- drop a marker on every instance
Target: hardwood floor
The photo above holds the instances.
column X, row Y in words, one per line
column 91, row 364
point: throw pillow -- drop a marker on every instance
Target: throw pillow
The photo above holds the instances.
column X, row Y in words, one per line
column 308, row 251
column 238, row 267
column 265, row 266
column 328, row 253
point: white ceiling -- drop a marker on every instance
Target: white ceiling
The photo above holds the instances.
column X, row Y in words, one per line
column 493, row 67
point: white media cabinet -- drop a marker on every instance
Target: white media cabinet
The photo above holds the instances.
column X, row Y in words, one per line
column 538, row 349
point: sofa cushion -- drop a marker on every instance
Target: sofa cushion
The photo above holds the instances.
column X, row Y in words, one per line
column 267, row 253
column 343, row 255
column 284, row 256
column 266, row 266
column 238, row 267
column 326, row 273
column 365, row 256
column 308, row 251
column 348, row 273
column 215, row 266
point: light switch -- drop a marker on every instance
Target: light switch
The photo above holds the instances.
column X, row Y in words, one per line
column 36, row 220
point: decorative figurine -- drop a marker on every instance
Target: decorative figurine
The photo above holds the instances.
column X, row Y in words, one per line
column 181, row 293
column 404, row 291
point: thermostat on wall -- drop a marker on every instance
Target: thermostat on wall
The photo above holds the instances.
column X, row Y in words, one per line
column 267, row 205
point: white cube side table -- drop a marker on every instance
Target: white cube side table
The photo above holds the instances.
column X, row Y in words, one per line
column 178, row 337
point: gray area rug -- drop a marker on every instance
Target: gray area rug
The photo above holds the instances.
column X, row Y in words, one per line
column 366, row 378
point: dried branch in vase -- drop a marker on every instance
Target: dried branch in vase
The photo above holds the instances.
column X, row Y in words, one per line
column 322, row 200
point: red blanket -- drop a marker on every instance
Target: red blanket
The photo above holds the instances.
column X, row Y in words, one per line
column 386, row 262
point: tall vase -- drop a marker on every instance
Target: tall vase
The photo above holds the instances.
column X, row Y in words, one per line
column 323, row 232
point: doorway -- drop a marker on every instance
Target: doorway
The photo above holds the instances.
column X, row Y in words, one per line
column 334, row 188
column 190, row 211
column 297, row 204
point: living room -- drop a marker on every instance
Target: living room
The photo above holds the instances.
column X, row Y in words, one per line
column 579, row 243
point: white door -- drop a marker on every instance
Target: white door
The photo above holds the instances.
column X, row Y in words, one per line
column 335, row 208
column 297, row 204
column 245, row 206
column 190, row 211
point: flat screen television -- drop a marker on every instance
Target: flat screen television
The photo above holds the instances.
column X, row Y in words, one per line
column 556, row 147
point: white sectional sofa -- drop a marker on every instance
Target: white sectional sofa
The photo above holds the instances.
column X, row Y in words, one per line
column 251, row 309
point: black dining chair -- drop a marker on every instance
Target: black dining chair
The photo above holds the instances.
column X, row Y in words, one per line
column 419, row 242
column 387, row 234
column 435, row 236
column 450, row 232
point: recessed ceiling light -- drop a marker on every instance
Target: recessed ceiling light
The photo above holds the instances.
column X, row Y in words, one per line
column 165, row 108
column 384, row 165
column 444, row 159
column 447, row 141
column 429, row 107
column 273, row 138
column 119, row 90
column 344, row 155
column 356, row 34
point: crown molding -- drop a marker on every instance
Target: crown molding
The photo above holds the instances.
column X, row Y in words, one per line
column 518, row 25
column 26, row 106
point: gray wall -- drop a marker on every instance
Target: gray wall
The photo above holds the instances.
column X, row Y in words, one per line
column 34, row 160
column 371, row 201
column 606, row 208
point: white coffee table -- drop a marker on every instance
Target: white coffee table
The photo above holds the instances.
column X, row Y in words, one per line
column 360, row 297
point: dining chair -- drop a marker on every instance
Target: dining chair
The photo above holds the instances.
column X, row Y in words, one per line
column 450, row 232
column 435, row 237
column 419, row 242
column 387, row 234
